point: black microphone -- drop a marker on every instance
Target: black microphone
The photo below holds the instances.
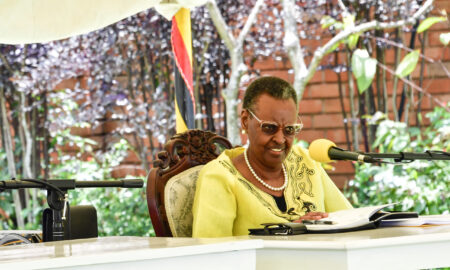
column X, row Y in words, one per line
column 323, row 150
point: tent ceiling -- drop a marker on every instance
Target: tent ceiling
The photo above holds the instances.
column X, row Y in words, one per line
column 39, row 21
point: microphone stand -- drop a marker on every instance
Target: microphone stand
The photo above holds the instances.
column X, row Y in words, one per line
column 409, row 157
column 57, row 198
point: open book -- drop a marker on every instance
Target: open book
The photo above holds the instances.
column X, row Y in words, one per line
column 421, row 220
column 356, row 219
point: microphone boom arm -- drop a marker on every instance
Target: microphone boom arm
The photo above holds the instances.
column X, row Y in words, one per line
column 407, row 156
column 57, row 198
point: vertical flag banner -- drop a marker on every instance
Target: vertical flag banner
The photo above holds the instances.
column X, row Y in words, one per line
column 184, row 87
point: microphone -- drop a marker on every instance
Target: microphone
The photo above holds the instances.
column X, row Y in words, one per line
column 323, row 150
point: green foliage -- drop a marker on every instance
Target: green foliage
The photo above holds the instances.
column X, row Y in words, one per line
column 327, row 21
column 349, row 23
column 6, row 207
column 120, row 211
column 428, row 22
column 408, row 64
column 363, row 68
column 421, row 186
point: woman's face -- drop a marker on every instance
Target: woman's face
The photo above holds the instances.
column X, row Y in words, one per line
column 269, row 150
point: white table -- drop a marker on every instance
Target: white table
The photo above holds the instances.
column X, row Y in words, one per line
column 382, row 248
column 133, row 253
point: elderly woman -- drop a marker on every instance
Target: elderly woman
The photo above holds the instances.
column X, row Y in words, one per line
column 271, row 181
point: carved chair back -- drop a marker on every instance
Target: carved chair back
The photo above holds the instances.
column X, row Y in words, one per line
column 182, row 152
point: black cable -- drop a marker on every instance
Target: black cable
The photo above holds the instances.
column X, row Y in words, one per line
column 45, row 184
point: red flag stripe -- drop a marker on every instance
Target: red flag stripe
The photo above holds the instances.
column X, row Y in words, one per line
column 182, row 59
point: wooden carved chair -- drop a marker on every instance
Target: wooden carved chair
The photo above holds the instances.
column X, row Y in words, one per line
column 171, row 182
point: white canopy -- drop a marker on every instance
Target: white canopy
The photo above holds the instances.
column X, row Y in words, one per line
column 39, row 21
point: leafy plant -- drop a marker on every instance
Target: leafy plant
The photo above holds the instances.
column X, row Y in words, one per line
column 421, row 186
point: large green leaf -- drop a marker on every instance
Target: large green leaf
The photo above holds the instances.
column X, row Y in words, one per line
column 408, row 64
column 445, row 38
column 363, row 68
column 428, row 22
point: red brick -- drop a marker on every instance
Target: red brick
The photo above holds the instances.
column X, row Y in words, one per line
column 306, row 120
column 73, row 148
column 389, row 56
column 283, row 74
column 334, row 105
column 437, row 53
column 445, row 99
column 441, row 4
column 310, row 106
column 337, row 135
column 427, row 103
column 433, row 39
column 310, row 135
column 436, row 69
column 322, row 90
column 342, row 57
column 269, row 63
column 416, row 73
column 437, row 86
column 316, row 78
column 87, row 131
column 131, row 158
column 111, row 125
column 328, row 121
column 331, row 76
column 54, row 157
column 122, row 171
column 406, row 38
column 312, row 43
column 343, row 167
column 341, row 180
column 68, row 83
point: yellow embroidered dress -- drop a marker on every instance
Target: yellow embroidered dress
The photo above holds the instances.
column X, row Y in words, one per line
column 226, row 204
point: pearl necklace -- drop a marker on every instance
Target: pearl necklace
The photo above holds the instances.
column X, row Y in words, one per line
column 262, row 181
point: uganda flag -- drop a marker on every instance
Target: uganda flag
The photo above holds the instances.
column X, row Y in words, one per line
column 184, row 87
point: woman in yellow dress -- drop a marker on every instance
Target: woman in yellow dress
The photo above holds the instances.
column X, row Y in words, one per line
column 270, row 181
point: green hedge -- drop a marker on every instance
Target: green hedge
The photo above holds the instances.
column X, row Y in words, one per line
column 421, row 186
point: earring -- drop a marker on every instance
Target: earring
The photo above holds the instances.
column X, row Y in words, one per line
column 243, row 131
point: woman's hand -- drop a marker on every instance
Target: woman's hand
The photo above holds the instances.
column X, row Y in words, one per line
column 312, row 216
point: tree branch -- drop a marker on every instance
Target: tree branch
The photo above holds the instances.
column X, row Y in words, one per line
column 221, row 25
column 343, row 7
column 249, row 22
column 417, row 88
column 321, row 52
column 291, row 43
column 6, row 62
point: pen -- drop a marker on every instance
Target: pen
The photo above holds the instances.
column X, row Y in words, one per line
column 318, row 222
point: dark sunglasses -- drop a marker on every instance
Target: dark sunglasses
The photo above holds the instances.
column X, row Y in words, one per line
column 270, row 128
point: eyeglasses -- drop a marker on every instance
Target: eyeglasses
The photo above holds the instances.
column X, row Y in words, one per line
column 270, row 128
